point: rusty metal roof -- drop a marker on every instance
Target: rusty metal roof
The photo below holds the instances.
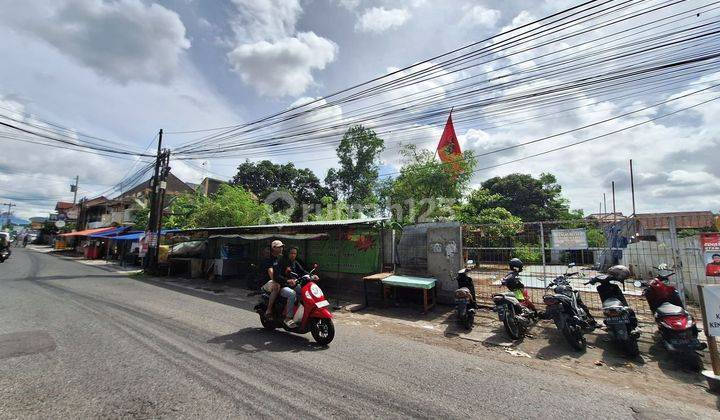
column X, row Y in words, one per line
column 324, row 223
column 683, row 220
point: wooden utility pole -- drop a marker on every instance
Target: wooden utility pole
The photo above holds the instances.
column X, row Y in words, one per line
column 148, row 261
column 632, row 187
column 74, row 188
column 613, row 198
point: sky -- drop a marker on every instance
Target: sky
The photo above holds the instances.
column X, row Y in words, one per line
column 124, row 69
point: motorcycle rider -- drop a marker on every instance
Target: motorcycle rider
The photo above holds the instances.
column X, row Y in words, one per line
column 272, row 270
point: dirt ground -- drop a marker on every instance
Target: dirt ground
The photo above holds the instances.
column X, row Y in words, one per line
column 654, row 371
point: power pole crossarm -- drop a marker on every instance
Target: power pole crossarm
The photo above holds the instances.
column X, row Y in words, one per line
column 9, row 206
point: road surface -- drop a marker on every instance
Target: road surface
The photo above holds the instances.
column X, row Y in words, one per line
column 78, row 341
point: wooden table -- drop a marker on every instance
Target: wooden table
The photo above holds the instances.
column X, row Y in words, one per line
column 375, row 278
column 426, row 284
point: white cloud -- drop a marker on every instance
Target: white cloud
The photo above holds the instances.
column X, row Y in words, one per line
column 124, row 40
column 283, row 67
column 379, row 19
column 478, row 15
column 270, row 55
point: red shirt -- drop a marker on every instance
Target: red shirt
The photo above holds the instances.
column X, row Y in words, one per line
column 712, row 269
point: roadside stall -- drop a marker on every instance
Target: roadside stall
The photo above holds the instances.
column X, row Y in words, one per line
column 78, row 240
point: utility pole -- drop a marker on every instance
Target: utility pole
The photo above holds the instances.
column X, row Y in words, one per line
column 632, row 187
column 74, row 188
column 162, row 185
column 605, row 202
column 148, row 261
column 613, row 198
column 7, row 218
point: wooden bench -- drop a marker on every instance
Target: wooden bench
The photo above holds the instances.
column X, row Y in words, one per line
column 426, row 284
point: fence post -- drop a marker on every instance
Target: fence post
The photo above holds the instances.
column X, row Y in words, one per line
column 542, row 252
column 677, row 261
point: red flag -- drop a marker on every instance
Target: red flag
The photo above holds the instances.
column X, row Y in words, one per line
column 449, row 149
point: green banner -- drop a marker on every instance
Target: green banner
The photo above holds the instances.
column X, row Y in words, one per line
column 357, row 252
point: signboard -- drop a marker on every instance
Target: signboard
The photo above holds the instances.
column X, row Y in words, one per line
column 60, row 224
column 710, row 243
column 151, row 238
column 72, row 214
column 356, row 252
column 143, row 249
column 568, row 239
column 711, row 307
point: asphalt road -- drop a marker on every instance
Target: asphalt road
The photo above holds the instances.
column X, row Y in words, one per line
column 78, row 342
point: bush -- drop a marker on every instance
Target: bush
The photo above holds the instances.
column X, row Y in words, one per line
column 528, row 253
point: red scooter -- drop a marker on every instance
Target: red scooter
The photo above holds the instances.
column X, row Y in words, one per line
column 309, row 315
column 677, row 327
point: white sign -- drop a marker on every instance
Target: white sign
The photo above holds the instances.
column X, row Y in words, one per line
column 568, row 239
column 711, row 297
column 60, row 224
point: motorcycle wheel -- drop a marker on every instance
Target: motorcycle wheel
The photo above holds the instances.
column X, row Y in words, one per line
column 575, row 338
column 512, row 326
column 266, row 323
column 631, row 347
column 469, row 321
column 323, row 331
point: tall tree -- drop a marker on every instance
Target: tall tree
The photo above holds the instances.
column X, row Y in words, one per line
column 529, row 198
column 426, row 189
column 264, row 177
column 357, row 177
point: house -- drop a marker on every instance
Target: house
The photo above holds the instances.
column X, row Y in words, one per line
column 37, row 223
column 103, row 212
column 66, row 210
column 210, row 186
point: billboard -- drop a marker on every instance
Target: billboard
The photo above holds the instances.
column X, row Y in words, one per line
column 710, row 243
column 567, row 239
column 356, row 252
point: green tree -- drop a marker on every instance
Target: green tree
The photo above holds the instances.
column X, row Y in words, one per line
column 230, row 206
column 425, row 189
column 264, row 177
column 529, row 198
column 357, row 177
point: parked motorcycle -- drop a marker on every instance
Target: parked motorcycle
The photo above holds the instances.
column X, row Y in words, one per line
column 514, row 308
column 567, row 310
column 465, row 305
column 4, row 255
column 620, row 319
column 676, row 326
column 310, row 315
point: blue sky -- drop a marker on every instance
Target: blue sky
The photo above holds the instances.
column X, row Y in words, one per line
column 123, row 69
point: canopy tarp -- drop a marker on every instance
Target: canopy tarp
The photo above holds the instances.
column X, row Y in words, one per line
column 261, row 236
column 134, row 236
column 110, row 233
column 87, row 232
column 137, row 235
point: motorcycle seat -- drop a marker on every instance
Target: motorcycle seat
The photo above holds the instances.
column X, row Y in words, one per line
column 612, row 302
column 668, row 309
column 509, row 296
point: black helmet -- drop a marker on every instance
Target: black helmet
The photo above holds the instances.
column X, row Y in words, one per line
column 516, row 264
column 619, row 272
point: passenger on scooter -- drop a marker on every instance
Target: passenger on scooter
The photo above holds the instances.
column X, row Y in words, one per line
column 513, row 283
column 291, row 291
column 274, row 275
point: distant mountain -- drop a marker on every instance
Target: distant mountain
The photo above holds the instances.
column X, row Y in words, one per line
column 14, row 220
